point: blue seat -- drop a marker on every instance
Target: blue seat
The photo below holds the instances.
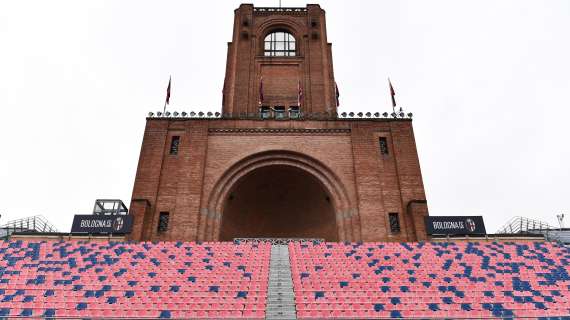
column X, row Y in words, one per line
column 49, row 313
column 27, row 312
column 378, row 307
column 395, row 314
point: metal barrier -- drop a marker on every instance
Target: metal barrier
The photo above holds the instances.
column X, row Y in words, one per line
column 283, row 241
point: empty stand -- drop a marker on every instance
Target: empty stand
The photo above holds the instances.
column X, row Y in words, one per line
column 330, row 280
column 133, row 280
column 425, row 280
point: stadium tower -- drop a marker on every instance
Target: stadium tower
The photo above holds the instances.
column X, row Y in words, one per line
column 279, row 161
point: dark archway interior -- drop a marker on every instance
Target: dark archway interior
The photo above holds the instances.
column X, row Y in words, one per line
column 278, row 202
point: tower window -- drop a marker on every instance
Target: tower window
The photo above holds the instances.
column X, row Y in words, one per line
column 163, row 222
column 265, row 112
column 294, row 112
column 174, row 143
column 279, row 44
column 383, row 145
column 279, row 112
column 394, row 222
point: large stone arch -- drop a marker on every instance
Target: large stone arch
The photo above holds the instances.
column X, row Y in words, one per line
column 345, row 213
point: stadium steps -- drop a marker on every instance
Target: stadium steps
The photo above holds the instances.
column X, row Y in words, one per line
column 280, row 295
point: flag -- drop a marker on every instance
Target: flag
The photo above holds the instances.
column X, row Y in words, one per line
column 260, row 91
column 300, row 95
column 392, row 93
column 337, row 94
column 168, row 91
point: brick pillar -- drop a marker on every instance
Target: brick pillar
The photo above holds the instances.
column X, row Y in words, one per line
column 190, row 178
column 368, row 186
column 147, row 179
column 140, row 208
column 417, row 210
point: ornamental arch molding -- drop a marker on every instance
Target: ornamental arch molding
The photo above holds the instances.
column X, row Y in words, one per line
column 346, row 215
column 287, row 25
column 283, row 24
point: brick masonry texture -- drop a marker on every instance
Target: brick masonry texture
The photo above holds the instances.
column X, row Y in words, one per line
column 359, row 186
column 311, row 66
column 371, row 184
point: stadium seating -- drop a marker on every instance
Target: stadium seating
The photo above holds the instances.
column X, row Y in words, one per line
column 137, row 280
column 330, row 280
column 443, row 280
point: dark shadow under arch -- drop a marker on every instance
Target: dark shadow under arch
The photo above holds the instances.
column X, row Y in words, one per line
column 278, row 201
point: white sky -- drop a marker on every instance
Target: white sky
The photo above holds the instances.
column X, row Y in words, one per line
column 488, row 83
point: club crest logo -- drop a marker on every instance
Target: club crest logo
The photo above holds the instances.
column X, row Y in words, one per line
column 470, row 224
column 118, row 224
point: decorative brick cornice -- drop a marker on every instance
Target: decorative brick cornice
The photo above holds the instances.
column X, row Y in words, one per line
column 289, row 131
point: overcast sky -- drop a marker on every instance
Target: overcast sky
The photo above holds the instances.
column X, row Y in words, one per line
column 488, row 83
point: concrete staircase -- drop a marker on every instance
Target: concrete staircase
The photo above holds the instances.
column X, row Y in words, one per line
column 280, row 295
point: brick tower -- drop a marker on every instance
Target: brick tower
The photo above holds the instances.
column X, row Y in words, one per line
column 279, row 161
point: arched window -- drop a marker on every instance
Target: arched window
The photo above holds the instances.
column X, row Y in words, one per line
column 279, row 44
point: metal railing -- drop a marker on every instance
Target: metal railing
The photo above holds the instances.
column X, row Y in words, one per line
column 109, row 207
column 282, row 241
column 518, row 225
column 34, row 223
column 526, row 226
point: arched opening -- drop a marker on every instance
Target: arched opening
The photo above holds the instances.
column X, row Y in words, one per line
column 278, row 201
column 279, row 43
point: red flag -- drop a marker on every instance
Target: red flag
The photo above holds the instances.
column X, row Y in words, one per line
column 337, row 94
column 392, row 93
column 168, row 91
column 260, row 90
column 300, row 94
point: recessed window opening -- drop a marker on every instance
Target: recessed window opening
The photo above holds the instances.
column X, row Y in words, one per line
column 279, row 44
column 163, row 222
column 383, row 145
column 294, row 112
column 265, row 112
column 394, row 222
column 174, row 143
column 279, row 112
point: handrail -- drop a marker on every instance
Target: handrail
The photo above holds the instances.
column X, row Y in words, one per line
column 524, row 225
column 34, row 223
column 282, row 241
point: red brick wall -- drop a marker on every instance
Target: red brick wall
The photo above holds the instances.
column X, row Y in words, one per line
column 373, row 185
column 342, row 155
column 312, row 65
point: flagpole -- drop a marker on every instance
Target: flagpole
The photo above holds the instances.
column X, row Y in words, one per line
column 392, row 96
column 167, row 100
